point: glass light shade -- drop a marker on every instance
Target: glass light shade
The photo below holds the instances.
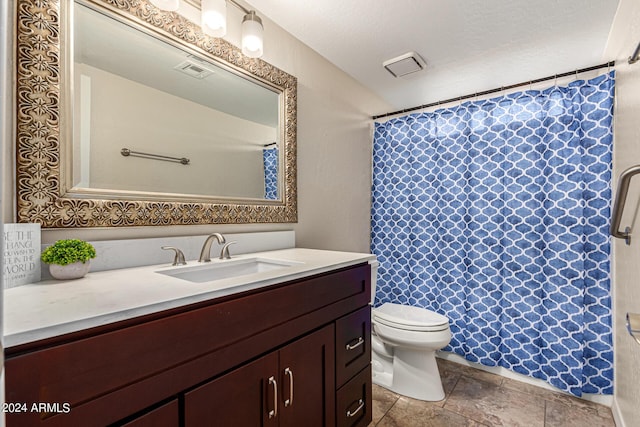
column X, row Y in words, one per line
column 252, row 39
column 168, row 5
column 214, row 17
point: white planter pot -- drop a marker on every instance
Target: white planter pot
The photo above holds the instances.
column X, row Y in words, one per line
column 69, row 271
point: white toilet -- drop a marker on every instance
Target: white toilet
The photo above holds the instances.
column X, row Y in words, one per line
column 404, row 341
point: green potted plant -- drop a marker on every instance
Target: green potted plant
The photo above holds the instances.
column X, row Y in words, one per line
column 68, row 258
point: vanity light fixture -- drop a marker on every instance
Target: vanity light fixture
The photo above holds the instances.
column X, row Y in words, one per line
column 252, row 30
column 213, row 15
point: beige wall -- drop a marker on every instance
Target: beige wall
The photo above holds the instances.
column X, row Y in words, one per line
column 624, row 37
column 334, row 143
column 334, row 148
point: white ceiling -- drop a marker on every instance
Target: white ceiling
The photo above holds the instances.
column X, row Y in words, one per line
column 469, row 45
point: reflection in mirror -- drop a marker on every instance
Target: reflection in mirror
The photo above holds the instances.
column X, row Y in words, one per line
column 135, row 92
column 71, row 133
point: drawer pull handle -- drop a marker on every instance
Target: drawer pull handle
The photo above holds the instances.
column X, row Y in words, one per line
column 358, row 409
column 274, row 412
column 358, row 343
column 289, row 401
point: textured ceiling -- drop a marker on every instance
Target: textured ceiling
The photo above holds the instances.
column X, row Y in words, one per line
column 469, row 45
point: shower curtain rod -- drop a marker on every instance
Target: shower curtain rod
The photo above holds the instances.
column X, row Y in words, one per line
column 496, row 90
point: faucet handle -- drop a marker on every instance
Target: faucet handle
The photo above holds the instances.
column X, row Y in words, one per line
column 224, row 253
column 179, row 256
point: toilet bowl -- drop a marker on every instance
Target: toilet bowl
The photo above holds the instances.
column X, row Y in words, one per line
column 404, row 341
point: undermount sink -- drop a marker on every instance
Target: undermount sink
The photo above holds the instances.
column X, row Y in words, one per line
column 217, row 270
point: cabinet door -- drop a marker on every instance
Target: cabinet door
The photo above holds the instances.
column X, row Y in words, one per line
column 307, row 369
column 245, row 397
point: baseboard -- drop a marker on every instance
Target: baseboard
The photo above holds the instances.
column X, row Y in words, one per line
column 605, row 400
column 617, row 415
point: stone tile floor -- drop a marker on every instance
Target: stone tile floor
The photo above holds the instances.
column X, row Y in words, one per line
column 477, row 398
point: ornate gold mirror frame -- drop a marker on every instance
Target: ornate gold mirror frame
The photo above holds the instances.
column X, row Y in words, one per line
column 40, row 151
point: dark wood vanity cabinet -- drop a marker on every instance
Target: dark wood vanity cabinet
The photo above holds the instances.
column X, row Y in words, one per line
column 292, row 386
column 292, row 354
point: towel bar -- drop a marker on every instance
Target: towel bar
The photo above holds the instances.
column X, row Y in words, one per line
column 182, row 160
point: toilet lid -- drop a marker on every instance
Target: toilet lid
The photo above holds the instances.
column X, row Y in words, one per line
column 410, row 317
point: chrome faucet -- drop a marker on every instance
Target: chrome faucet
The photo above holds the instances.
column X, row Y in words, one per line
column 205, row 253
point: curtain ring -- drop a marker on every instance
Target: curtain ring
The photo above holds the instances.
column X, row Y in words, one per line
column 556, row 81
column 576, row 74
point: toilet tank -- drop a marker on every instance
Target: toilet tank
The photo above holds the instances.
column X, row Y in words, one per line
column 374, row 279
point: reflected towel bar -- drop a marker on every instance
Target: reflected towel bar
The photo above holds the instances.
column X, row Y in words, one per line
column 182, row 160
column 618, row 207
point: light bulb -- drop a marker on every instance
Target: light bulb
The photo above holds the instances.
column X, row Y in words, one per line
column 214, row 17
column 252, row 40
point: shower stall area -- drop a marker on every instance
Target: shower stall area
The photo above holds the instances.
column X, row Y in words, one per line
column 496, row 213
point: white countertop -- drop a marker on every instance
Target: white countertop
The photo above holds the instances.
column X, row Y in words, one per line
column 51, row 308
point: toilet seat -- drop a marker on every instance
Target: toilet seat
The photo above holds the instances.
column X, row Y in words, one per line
column 409, row 318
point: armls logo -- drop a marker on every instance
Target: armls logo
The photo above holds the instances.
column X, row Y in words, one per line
column 52, row 408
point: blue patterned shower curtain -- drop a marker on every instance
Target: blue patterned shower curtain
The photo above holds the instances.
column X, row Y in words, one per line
column 495, row 213
column 270, row 162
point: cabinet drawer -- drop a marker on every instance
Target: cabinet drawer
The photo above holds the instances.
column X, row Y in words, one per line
column 353, row 344
column 353, row 401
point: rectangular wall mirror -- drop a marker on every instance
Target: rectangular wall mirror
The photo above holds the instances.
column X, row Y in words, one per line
column 135, row 117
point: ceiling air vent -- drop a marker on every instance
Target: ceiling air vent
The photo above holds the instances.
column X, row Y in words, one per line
column 403, row 65
column 193, row 69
